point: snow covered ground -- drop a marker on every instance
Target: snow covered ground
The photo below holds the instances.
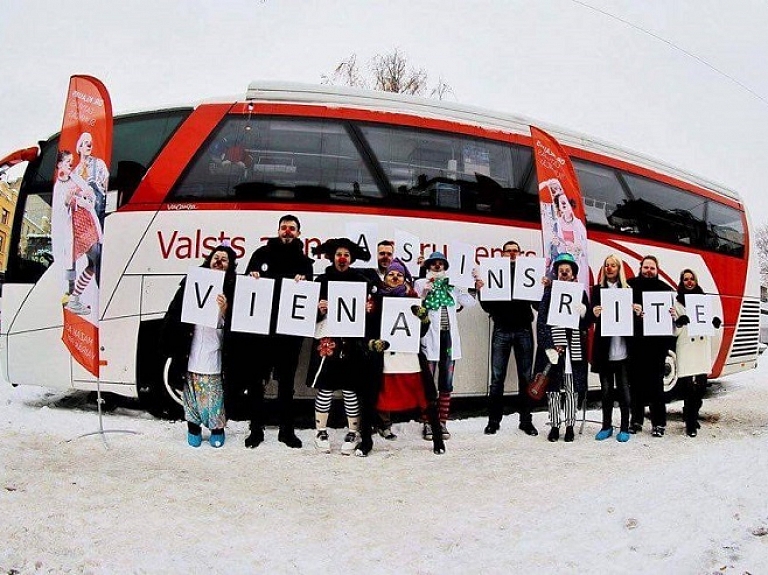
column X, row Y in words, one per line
column 492, row 504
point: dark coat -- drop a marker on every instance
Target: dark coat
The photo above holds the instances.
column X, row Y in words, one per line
column 653, row 348
column 544, row 341
column 600, row 345
column 513, row 315
column 347, row 367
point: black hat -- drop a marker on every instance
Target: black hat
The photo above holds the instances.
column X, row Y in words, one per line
column 328, row 249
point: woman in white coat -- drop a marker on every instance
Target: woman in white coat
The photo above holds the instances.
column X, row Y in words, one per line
column 694, row 354
column 441, row 345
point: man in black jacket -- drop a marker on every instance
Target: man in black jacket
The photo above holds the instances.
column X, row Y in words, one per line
column 511, row 331
column 647, row 355
column 276, row 354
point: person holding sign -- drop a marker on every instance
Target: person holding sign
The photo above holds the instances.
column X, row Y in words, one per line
column 648, row 353
column 694, row 352
column 610, row 353
column 441, row 344
column 282, row 258
column 198, row 354
column 512, row 332
column 338, row 363
column 402, row 380
column 563, row 349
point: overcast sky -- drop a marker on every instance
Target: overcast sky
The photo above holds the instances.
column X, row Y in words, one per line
column 682, row 81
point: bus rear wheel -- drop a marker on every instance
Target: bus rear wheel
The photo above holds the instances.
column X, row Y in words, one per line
column 158, row 394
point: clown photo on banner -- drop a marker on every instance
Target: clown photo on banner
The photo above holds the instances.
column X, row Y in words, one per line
column 80, row 186
column 562, row 209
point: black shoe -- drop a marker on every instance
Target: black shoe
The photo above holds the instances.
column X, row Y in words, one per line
column 569, row 435
column 491, row 428
column 635, row 428
column 658, row 431
column 692, row 433
column 529, row 429
column 255, row 438
column 289, row 438
column 554, row 434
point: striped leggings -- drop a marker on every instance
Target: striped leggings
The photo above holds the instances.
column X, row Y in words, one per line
column 554, row 401
column 351, row 404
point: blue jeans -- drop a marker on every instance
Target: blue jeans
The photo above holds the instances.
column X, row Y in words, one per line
column 503, row 342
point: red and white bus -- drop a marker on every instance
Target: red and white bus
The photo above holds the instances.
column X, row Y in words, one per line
column 184, row 178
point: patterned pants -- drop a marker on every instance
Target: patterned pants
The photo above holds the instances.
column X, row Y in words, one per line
column 203, row 400
column 553, row 403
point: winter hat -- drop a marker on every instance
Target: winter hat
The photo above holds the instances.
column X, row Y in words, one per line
column 434, row 257
column 328, row 249
column 399, row 266
column 565, row 258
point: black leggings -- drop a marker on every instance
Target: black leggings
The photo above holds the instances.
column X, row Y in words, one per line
column 614, row 384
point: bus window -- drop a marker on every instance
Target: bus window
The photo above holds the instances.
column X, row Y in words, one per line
column 430, row 170
column 278, row 159
column 603, row 194
column 725, row 230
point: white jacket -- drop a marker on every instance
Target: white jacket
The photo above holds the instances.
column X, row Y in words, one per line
column 694, row 354
column 430, row 343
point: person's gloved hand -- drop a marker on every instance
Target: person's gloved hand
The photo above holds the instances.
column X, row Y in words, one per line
column 552, row 355
column 378, row 345
column 717, row 322
column 682, row 320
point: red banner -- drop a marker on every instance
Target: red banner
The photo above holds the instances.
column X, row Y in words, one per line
column 562, row 208
column 78, row 208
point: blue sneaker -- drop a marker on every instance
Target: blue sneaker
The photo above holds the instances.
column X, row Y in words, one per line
column 217, row 439
column 194, row 440
column 604, row 434
column 623, row 436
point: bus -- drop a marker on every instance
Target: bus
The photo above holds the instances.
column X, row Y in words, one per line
column 184, row 178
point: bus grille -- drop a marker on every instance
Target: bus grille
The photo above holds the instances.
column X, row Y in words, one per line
column 745, row 341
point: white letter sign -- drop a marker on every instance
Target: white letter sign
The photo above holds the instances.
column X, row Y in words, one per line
column 563, row 307
column 497, row 279
column 407, row 250
column 461, row 260
column 199, row 306
column 616, row 317
column 298, row 308
column 698, row 308
column 364, row 235
column 252, row 308
column 528, row 274
column 656, row 317
column 346, row 309
column 399, row 326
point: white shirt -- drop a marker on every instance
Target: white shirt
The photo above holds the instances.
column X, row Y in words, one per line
column 205, row 352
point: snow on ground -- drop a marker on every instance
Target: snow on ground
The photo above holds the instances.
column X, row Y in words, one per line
column 492, row 504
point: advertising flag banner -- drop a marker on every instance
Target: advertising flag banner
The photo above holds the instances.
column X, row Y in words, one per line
column 563, row 217
column 80, row 184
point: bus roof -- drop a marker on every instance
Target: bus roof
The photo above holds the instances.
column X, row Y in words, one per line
column 294, row 92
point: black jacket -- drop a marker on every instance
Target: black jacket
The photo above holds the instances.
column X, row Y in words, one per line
column 511, row 315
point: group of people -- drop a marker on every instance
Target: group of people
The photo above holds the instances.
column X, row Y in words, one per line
column 374, row 382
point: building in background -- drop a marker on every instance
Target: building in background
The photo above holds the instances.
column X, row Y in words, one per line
column 9, row 193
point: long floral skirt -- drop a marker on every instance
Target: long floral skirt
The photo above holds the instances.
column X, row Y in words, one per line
column 203, row 400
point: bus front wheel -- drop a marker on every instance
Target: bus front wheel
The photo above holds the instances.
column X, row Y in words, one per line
column 158, row 394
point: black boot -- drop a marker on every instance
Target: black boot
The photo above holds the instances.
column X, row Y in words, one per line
column 255, row 438
column 554, row 434
column 288, row 436
column 492, row 427
column 569, row 435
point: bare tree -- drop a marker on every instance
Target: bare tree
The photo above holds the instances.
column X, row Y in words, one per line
column 389, row 72
column 761, row 239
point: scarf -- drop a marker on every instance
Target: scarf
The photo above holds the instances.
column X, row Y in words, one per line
column 440, row 295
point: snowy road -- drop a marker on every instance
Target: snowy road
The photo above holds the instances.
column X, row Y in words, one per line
column 492, row 504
